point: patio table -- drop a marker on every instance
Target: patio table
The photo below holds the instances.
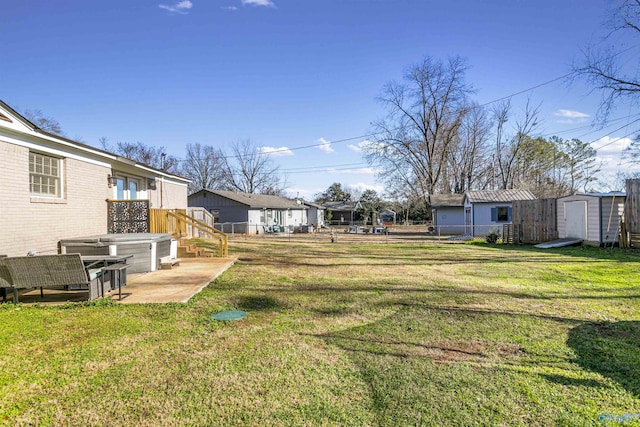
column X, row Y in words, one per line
column 103, row 262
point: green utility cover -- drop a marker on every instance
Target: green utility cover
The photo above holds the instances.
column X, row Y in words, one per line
column 229, row 315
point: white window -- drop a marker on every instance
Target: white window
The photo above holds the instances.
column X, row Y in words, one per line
column 45, row 175
column 127, row 188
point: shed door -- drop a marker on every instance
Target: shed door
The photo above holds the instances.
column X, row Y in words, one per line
column 575, row 214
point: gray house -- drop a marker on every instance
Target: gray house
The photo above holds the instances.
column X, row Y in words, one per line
column 252, row 213
column 488, row 210
column 315, row 214
column 342, row 213
column 592, row 217
column 447, row 211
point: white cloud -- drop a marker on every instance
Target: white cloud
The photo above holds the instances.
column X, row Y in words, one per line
column 361, row 146
column 355, row 171
column 325, row 146
column 231, row 8
column 608, row 146
column 570, row 116
column 267, row 3
column 303, row 193
column 276, row 152
column 181, row 7
column 361, row 186
column 609, row 157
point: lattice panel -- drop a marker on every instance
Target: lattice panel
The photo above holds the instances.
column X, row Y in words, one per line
column 128, row 216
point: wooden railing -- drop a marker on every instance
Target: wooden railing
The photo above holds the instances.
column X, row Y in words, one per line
column 161, row 222
column 202, row 215
column 175, row 222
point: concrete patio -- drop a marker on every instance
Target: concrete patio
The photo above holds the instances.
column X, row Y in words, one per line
column 178, row 284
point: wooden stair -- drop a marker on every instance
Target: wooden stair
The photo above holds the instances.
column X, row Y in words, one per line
column 191, row 250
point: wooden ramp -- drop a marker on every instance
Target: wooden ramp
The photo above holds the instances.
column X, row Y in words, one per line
column 558, row 243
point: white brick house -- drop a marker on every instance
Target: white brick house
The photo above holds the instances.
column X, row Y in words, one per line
column 55, row 188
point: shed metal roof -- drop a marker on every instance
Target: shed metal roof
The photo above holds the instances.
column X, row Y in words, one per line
column 492, row 196
column 610, row 194
column 443, row 200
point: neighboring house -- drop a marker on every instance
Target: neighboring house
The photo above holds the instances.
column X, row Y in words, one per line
column 315, row 214
column 342, row 213
column 592, row 217
column 488, row 210
column 388, row 217
column 259, row 212
column 447, row 211
column 56, row 188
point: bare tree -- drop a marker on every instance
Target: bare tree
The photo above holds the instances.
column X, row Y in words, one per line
column 155, row 157
column 468, row 159
column 203, row 165
column 247, row 169
column 509, row 148
column 43, row 122
column 603, row 67
column 425, row 113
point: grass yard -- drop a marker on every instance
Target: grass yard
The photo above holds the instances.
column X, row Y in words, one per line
column 360, row 334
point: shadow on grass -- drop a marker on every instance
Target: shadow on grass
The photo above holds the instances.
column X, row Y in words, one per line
column 610, row 349
column 258, row 303
column 418, row 360
column 583, row 251
column 564, row 380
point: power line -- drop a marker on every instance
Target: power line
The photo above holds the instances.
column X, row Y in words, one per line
column 369, row 135
column 328, row 169
column 615, row 139
column 564, row 76
column 323, row 167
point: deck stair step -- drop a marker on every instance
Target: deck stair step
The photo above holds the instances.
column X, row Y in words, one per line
column 167, row 263
column 191, row 250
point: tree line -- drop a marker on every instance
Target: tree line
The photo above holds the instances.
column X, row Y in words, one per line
column 436, row 140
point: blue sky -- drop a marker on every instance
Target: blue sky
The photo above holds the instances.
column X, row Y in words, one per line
column 289, row 74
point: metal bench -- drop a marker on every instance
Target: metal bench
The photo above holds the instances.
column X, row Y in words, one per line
column 44, row 271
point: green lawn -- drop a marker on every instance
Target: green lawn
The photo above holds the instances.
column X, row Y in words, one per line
column 346, row 334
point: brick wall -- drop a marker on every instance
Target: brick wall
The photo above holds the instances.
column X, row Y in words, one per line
column 174, row 196
column 28, row 223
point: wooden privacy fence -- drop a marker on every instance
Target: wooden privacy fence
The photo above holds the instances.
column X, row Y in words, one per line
column 177, row 223
column 534, row 221
column 630, row 229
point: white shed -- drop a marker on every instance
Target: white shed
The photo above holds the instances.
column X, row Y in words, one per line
column 592, row 217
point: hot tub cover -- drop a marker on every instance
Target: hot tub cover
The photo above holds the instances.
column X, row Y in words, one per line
column 107, row 239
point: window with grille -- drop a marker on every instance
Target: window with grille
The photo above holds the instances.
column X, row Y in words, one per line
column 44, row 175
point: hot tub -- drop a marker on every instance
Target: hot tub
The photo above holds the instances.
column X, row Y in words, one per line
column 147, row 248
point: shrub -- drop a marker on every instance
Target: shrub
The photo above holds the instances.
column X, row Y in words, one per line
column 493, row 236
